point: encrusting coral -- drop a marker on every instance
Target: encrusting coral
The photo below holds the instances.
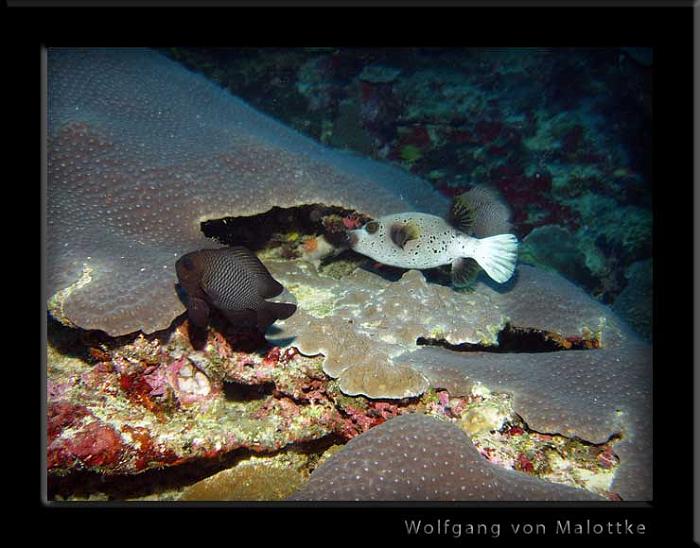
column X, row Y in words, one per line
column 362, row 322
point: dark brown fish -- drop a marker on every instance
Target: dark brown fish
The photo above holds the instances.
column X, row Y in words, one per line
column 235, row 282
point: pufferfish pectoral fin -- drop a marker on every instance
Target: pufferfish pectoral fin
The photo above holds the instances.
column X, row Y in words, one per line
column 198, row 311
column 403, row 232
column 464, row 272
column 463, row 213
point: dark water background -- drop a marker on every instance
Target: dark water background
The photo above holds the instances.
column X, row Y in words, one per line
column 563, row 134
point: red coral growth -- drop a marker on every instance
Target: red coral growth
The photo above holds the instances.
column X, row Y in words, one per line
column 272, row 357
column 222, row 346
column 290, row 354
column 487, row 452
column 352, row 222
column 606, row 458
column 523, row 192
column 313, row 391
column 581, row 343
column 99, row 355
column 447, row 406
column 355, row 423
column 358, row 420
column 382, row 411
column 515, row 431
column 95, row 445
column 524, row 464
column 139, row 390
column 63, row 415
column 146, row 452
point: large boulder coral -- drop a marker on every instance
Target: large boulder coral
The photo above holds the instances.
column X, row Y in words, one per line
column 416, row 458
column 141, row 151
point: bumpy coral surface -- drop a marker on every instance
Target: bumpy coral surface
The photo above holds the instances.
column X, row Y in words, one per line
column 362, row 322
column 415, row 457
column 593, row 394
column 141, row 151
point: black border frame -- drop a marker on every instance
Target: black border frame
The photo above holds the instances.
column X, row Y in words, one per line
column 668, row 30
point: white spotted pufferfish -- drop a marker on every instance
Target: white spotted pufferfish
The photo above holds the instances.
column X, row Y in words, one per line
column 419, row 240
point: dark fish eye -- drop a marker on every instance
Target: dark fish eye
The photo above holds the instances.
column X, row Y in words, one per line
column 372, row 227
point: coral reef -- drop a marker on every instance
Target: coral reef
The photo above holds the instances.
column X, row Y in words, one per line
column 544, row 392
column 143, row 153
column 149, row 404
column 154, row 402
column 414, row 457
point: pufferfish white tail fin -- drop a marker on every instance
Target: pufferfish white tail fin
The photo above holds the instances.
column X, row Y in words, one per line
column 497, row 255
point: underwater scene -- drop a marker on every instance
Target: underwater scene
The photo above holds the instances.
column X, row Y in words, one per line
column 334, row 274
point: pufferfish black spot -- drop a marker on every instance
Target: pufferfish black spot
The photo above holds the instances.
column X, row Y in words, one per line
column 234, row 281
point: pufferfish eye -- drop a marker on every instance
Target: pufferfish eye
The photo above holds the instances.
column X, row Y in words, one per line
column 372, row 227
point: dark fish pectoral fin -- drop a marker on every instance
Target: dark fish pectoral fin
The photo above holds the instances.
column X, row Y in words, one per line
column 282, row 311
column 271, row 312
column 464, row 272
column 198, row 312
column 403, row 232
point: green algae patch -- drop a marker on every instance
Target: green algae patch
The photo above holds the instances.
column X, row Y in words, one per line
column 318, row 302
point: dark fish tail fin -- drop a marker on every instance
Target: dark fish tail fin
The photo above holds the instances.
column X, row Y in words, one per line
column 269, row 313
